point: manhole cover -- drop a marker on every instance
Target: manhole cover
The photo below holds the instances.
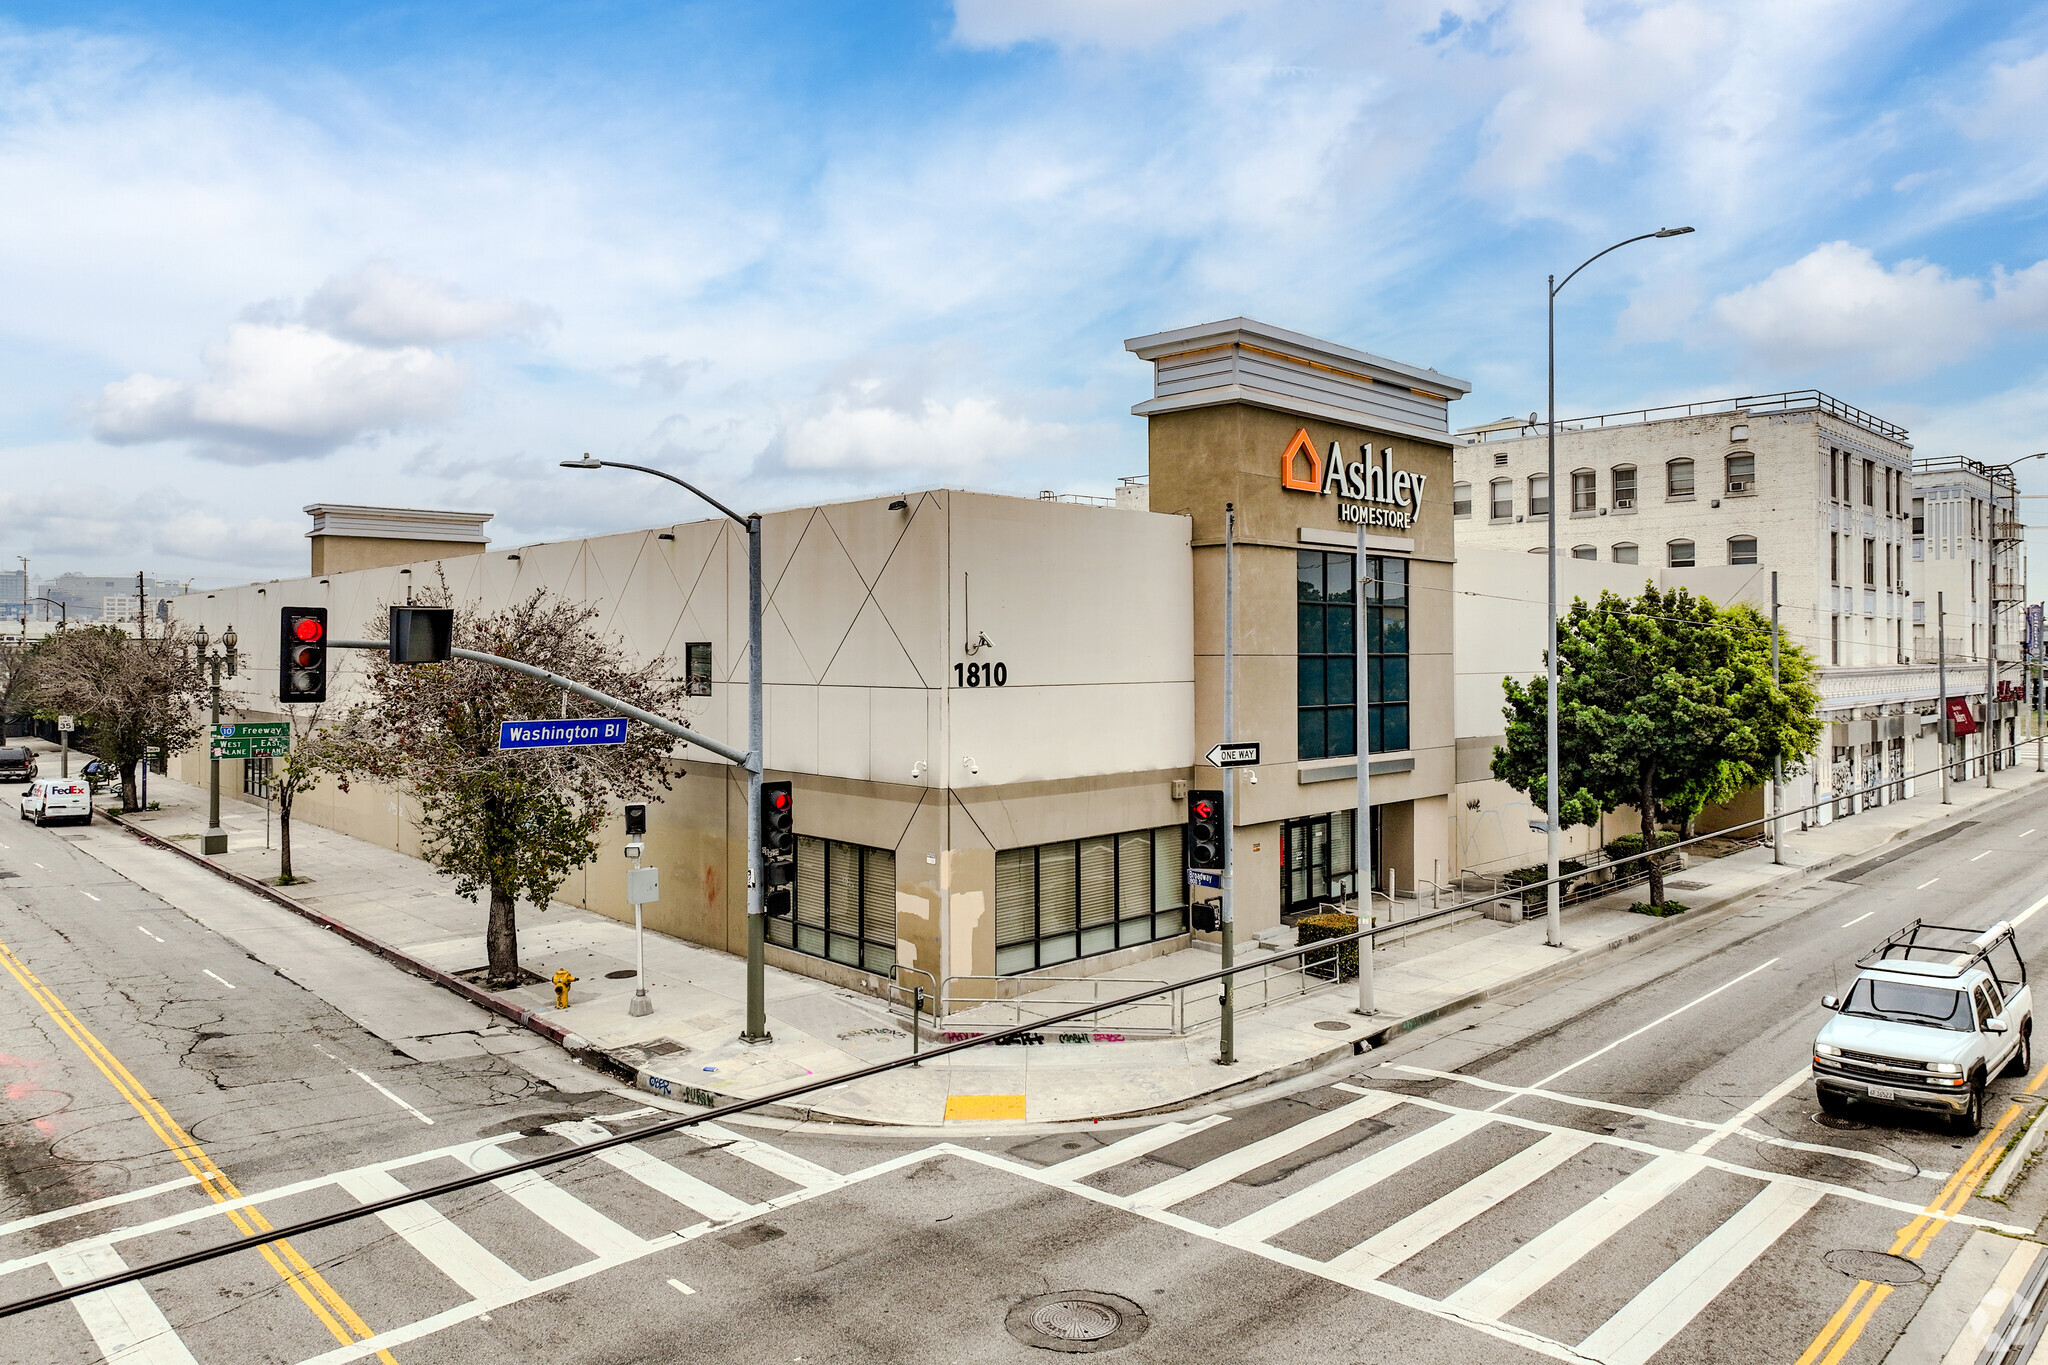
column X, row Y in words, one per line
column 1839, row 1122
column 1077, row 1320
column 624, row 975
column 2024, row 1098
column 1333, row 1025
column 1876, row 1266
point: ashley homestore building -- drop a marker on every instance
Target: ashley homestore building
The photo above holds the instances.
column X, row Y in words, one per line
column 1008, row 694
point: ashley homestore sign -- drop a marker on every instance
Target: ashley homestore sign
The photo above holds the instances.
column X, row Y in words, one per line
column 1374, row 493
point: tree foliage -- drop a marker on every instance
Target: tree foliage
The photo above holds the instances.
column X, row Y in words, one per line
column 1666, row 703
column 310, row 759
column 515, row 824
column 131, row 692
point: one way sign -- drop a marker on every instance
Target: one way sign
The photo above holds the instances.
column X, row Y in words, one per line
column 1234, row 755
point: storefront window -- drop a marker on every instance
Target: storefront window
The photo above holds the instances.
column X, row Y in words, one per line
column 1318, row 862
column 1079, row 897
column 845, row 905
column 1327, row 662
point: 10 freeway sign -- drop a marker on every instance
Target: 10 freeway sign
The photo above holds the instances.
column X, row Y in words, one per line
column 252, row 739
column 1234, row 755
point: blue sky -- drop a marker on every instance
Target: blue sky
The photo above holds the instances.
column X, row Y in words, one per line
column 264, row 256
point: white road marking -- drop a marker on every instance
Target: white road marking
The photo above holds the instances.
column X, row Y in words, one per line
column 87, row 894
column 2024, row 833
column 389, row 1096
column 788, row 1165
column 1558, row 1247
column 2023, row 916
column 680, row 1287
column 1626, row 1037
column 1428, row 1225
column 451, row 1251
column 1929, row 882
column 140, row 930
column 1360, row 1175
column 73, row 1210
column 1859, row 919
column 1253, row 1155
column 218, row 977
column 39, row 865
column 1985, row 854
column 125, row 1322
column 1130, row 1148
column 1763, row 1102
column 1672, row 1300
column 660, row 1176
column 573, row 1218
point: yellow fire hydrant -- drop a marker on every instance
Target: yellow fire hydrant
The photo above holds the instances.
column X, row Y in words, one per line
column 562, row 980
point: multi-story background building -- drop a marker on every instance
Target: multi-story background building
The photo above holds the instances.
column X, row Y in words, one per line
column 1970, row 585
column 86, row 597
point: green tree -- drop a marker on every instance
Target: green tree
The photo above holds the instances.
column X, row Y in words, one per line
column 514, row 824
column 130, row 693
column 302, row 769
column 1666, row 703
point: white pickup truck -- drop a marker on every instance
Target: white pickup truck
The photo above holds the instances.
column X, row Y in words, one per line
column 1936, row 1011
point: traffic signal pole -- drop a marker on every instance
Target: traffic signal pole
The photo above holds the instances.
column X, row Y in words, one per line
column 1361, row 834
column 757, row 924
column 1227, row 1042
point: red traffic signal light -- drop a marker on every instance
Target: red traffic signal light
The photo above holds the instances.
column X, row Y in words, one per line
column 302, row 654
column 1205, row 830
column 1204, row 810
column 309, row 629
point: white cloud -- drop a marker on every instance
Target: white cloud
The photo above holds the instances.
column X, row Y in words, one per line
column 1075, row 23
column 1838, row 306
column 279, row 391
column 859, row 428
column 378, row 305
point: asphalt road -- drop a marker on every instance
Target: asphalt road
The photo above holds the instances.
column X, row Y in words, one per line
column 1624, row 1165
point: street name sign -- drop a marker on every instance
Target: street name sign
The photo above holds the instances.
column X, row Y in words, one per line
column 1234, row 755
column 559, row 734
column 1199, row 877
column 253, row 739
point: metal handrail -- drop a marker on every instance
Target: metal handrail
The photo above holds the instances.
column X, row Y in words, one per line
column 951, row 998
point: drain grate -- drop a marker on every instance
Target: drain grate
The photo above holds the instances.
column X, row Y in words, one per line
column 1879, row 1267
column 1077, row 1320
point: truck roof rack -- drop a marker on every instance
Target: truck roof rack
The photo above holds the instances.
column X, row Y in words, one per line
column 1947, row 950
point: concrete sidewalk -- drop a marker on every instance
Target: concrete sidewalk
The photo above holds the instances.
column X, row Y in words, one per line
column 689, row 1050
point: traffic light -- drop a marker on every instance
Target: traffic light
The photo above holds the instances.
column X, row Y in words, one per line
column 778, row 848
column 422, row 635
column 636, row 818
column 302, row 654
column 1205, row 831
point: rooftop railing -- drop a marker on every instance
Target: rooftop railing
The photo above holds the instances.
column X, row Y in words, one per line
column 1755, row 405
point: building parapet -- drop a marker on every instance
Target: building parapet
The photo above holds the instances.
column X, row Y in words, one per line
column 1755, row 405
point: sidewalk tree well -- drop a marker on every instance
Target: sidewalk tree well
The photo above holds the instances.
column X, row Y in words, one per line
column 513, row 824
column 131, row 693
column 1665, row 703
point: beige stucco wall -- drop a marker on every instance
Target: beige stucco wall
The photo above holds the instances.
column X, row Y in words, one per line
column 345, row 554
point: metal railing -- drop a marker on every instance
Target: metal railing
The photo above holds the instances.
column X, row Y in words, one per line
column 1766, row 404
column 957, row 994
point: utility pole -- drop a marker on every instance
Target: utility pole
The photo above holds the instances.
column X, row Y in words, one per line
column 1778, row 763
column 142, row 612
column 1361, row 835
column 1941, row 671
column 24, row 597
column 1226, row 912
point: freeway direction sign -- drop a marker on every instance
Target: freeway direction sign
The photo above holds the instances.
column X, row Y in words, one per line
column 1234, row 755
column 253, row 739
column 557, row 734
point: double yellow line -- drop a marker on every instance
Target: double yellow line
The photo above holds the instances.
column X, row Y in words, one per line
column 324, row 1301
column 1846, row 1326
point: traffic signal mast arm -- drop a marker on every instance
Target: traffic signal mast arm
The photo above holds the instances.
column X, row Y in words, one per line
column 627, row 709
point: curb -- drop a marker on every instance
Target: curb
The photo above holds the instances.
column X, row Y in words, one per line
column 572, row 1043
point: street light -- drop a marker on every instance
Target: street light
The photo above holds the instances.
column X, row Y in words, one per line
column 1553, row 933
column 214, row 842
column 757, row 932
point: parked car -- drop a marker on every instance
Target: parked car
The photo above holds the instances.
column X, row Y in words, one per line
column 17, row 765
column 57, row 798
column 1936, row 1011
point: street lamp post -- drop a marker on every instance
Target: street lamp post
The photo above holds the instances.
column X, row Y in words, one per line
column 214, row 842
column 756, row 1030
column 1553, row 934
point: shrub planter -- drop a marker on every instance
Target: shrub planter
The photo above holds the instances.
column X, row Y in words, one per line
column 1664, row 911
column 1338, row 964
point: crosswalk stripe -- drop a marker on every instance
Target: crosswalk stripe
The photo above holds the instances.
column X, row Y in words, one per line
column 1129, row 1149
column 447, row 1247
column 1557, row 1248
column 1253, row 1155
column 1675, row 1298
column 125, row 1322
column 658, row 1175
column 1360, row 1175
column 793, row 1168
column 1378, row 1254
column 565, row 1213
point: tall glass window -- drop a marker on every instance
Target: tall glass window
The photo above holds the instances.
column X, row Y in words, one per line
column 1078, row 897
column 1624, row 485
column 1584, row 495
column 1318, row 862
column 1502, row 494
column 1327, row 663
column 1539, row 495
column 845, row 905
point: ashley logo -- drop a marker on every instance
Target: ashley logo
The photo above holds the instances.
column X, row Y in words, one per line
column 1398, row 491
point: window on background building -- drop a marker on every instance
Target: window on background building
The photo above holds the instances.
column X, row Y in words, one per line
column 1386, row 635
column 1624, row 553
column 1834, row 558
column 1079, row 897
column 1869, row 563
column 256, row 777
column 1973, row 584
column 1584, row 494
column 1741, row 473
column 1742, row 549
column 1318, row 862
column 1834, row 639
column 1848, row 477
column 1834, row 484
column 697, row 668
column 1919, row 613
column 1869, row 484
column 1326, row 654
column 1539, row 495
column 1624, row 485
column 1503, row 499
column 845, row 905
column 1585, row 552
column 1679, row 554
column 1461, row 499
column 1678, row 479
